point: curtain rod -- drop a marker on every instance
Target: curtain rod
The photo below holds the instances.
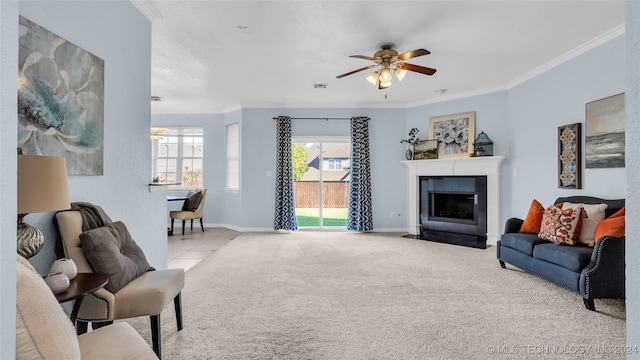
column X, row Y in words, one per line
column 316, row 118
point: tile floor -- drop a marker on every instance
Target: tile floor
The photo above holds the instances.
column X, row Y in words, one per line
column 188, row 250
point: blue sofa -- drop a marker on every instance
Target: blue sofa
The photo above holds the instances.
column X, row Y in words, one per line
column 594, row 273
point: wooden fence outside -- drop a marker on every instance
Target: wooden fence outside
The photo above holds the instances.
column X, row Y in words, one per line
column 335, row 194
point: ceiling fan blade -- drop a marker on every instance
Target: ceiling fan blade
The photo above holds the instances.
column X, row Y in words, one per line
column 418, row 68
column 363, row 57
column 355, row 71
column 412, row 54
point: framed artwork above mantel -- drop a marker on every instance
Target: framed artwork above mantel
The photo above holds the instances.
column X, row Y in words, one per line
column 455, row 134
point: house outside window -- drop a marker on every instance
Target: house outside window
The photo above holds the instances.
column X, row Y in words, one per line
column 178, row 157
column 333, row 164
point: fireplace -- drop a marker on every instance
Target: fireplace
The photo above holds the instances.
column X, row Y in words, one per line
column 453, row 209
column 486, row 166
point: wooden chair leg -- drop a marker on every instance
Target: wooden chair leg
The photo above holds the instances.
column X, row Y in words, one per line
column 99, row 324
column 172, row 225
column 201, row 225
column 191, row 225
column 183, row 227
column 177, row 304
column 155, row 335
column 81, row 327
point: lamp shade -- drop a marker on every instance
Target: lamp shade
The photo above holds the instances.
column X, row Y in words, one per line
column 42, row 184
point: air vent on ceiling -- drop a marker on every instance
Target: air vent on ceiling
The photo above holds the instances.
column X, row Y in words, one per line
column 320, row 86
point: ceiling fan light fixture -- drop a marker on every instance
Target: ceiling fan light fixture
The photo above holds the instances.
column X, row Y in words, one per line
column 385, row 75
column 373, row 78
column 400, row 73
column 385, row 84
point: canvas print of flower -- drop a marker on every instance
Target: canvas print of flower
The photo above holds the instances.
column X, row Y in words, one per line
column 455, row 134
column 60, row 100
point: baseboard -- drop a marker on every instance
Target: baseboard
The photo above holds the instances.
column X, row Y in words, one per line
column 259, row 229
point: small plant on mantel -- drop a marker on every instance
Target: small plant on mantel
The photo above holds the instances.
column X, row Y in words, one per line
column 413, row 137
column 411, row 141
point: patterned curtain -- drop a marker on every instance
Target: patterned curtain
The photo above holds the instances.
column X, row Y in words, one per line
column 360, row 217
column 285, row 201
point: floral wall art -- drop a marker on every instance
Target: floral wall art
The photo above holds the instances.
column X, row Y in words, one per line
column 455, row 134
column 60, row 100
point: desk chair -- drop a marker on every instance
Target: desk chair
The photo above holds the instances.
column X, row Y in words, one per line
column 146, row 295
column 190, row 213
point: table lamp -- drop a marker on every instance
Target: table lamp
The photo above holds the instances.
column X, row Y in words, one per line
column 42, row 186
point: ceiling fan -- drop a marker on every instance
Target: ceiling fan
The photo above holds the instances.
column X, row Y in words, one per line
column 388, row 59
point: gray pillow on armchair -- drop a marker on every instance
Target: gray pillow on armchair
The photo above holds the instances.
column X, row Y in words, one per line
column 110, row 250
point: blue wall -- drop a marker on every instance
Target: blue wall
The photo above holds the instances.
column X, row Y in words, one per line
column 522, row 121
column 555, row 98
column 118, row 33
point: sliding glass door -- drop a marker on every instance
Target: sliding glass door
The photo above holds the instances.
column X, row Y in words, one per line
column 321, row 174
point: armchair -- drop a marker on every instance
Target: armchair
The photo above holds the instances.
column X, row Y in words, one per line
column 44, row 331
column 146, row 295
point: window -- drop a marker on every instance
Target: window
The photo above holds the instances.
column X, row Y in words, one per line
column 333, row 164
column 178, row 156
column 233, row 157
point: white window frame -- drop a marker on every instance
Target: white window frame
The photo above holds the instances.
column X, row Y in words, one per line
column 178, row 132
column 233, row 158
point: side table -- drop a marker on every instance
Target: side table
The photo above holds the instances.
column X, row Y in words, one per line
column 80, row 286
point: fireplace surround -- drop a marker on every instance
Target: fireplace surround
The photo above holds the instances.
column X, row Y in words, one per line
column 486, row 166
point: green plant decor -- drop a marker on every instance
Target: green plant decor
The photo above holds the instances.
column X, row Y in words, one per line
column 413, row 137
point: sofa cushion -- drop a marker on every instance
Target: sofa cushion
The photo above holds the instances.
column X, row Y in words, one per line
column 614, row 225
column 111, row 250
column 531, row 224
column 574, row 258
column 524, row 243
column 595, row 214
column 561, row 226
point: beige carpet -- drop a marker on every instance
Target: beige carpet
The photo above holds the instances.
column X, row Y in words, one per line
column 328, row 295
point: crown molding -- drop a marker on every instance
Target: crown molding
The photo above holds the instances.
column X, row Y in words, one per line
column 147, row 9
column 571, row 54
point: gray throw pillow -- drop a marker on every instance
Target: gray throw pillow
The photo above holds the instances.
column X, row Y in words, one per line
column 192, row 202
column 110, row 250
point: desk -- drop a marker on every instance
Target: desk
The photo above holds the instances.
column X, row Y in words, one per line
column 79, row 287
column 175, row 198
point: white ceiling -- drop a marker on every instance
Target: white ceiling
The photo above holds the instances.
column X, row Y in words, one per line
column 204, row 62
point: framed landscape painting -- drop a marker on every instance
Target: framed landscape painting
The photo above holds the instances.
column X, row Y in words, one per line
column 604, row 145
column 60, row 100
column 455, row 134
column 425, row 150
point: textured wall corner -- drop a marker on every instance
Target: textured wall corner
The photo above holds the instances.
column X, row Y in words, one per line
column 632, row 157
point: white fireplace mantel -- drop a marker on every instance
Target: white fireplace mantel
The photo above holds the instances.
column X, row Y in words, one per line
column 488, row 166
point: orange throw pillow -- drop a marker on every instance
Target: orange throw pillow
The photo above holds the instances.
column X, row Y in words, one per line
column 531, row 224
column 612, row 226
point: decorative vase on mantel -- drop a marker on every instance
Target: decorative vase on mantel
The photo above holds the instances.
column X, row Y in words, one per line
column 409, row 153
column 411, row 141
